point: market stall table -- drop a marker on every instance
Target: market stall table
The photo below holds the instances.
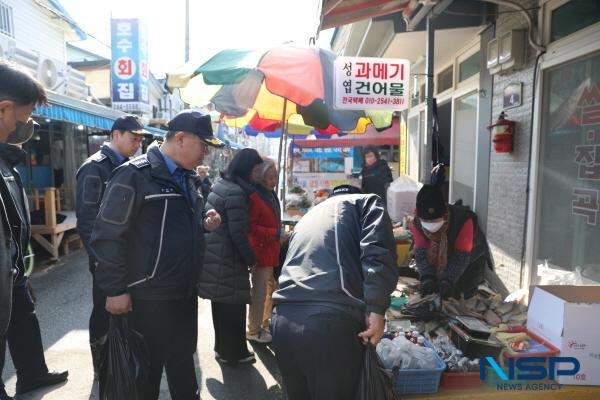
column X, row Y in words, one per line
column 486, row 392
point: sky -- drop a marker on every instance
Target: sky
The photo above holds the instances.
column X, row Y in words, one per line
column 214, row 25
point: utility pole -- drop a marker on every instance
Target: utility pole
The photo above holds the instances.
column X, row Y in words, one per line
column 427, row 145
column 187, row 30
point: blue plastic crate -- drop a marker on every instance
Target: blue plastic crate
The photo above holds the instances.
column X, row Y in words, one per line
column 413, row 381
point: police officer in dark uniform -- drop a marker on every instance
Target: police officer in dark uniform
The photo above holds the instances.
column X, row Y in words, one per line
column 19, row 95
column 126, row 136
column 149, row 243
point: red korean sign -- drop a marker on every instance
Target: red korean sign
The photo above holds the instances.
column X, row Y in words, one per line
column 365, row 83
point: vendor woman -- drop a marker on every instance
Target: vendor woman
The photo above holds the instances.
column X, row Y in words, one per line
column 450, row 250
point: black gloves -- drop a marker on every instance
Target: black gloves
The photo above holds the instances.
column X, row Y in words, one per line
column 445, row 288
column 428, row 285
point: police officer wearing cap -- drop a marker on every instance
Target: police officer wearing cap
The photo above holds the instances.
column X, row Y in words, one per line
column 126, row 136
column 148, row 240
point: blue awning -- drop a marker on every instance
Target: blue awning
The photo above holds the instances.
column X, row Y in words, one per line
column 155, row 131
column 234, row 145
column 79, row 112
column 67, row 114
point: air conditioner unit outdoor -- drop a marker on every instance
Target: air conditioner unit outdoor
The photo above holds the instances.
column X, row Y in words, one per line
column 48, row 73
column 8, row 46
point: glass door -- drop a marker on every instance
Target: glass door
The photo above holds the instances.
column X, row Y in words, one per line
column 463, row 164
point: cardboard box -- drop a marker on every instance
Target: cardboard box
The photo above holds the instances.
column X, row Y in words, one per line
column 569, row 318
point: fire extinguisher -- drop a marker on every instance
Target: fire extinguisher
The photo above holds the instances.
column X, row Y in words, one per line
column 502, row 134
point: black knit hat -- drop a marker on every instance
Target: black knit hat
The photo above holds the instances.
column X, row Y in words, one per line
column 430, row 203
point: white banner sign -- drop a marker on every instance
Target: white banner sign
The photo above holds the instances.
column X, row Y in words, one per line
column 365, row 83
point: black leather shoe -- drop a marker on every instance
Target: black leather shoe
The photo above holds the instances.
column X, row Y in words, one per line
column 51, row 378
column 4, row 395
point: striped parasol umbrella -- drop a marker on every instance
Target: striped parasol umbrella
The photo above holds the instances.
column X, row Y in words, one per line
column 285, row 90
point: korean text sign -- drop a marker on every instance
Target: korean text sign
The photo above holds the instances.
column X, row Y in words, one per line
column 129, row 63
column 364, row 83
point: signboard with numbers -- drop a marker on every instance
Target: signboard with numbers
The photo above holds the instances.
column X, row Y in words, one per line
column 364, row 83
column 129, row 63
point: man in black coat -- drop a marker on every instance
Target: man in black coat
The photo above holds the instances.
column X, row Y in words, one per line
column 126, row 136
column 340, row 269
column 148, row 240
column 19, row 95
column 376, row 174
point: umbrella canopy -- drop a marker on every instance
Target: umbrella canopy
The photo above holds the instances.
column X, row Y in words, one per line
column 262, row 88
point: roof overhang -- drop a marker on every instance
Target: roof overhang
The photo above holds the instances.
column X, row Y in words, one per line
column 335, row 13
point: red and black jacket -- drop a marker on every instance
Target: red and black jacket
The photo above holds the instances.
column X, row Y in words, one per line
column 468, row 251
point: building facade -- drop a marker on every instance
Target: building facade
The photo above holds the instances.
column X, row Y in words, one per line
column 539, row 64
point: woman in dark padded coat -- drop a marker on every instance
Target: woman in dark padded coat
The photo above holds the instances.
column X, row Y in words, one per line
column 229, row 256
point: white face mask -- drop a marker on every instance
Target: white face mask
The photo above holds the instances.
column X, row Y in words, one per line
column 432, row 227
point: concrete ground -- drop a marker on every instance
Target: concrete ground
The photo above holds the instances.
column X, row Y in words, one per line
column 63, row 293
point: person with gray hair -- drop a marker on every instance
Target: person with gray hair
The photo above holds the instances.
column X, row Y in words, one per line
column 265, row 235
column 202, row 171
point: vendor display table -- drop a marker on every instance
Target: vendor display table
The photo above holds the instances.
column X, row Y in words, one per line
column 486, row 392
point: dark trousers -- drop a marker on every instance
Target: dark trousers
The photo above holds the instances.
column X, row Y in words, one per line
column 99, row 318
column 170, row 329
column 318, row 352
column 24, row 337
column 229, row 321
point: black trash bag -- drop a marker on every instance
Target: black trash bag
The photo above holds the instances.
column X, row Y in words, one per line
column 376, row 383
column 124, row 364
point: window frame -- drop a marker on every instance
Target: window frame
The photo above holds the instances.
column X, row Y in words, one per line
column 578, row 45
column 7, row 8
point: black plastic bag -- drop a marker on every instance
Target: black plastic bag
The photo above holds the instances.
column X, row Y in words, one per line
column 124, row 364
column 375, row 382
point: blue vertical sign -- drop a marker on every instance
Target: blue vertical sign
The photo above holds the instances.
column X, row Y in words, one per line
column 129, row 72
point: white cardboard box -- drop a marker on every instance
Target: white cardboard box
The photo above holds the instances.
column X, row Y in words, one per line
column 569, row 318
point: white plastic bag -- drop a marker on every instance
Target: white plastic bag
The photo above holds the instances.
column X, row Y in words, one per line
column 404, row 354
column 402, row 197
column 388, row 353
column 552, row 276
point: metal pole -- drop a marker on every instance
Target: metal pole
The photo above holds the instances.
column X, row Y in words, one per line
column 187, row 30
column 429, row 57
column 282, row 169
column 285, row 157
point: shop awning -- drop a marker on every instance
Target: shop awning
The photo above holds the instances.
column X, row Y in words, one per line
column 155, row 131
column 67, row 109
column 390, row 136
column 342, row 12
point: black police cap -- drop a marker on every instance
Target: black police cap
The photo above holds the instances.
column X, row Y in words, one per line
column 129, row 123
column 195, row 122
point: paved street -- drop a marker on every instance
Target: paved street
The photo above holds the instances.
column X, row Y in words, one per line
column 63, row 307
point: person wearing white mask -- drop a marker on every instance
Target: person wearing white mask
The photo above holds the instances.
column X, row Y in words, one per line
column 450, row 250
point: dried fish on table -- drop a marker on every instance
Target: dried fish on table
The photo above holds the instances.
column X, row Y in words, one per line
column 518, row 319
column 504, row 308
column 492, row 318
column 480, row 307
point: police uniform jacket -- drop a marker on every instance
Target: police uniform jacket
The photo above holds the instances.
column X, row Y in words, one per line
column 92, row 177
column 148, row 237
column 16, row 228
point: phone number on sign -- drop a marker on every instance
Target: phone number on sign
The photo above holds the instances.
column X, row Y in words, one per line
column 384, row 100
column 373, row 100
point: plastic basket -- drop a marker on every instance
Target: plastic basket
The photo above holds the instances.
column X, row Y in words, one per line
column 413, row 381
column 540, row 348
column 461, row 380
